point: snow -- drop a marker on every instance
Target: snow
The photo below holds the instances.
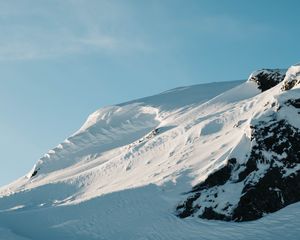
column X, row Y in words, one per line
column 142, row 213
column 122, row 174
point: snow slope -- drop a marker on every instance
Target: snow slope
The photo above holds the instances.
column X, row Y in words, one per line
column 124, row 173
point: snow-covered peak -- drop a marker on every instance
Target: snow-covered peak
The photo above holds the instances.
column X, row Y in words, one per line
column 292, row 78
column 226, row 151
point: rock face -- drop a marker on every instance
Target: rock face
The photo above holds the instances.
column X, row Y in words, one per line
column 279, row 185
column 269, row 178
column 267, row 78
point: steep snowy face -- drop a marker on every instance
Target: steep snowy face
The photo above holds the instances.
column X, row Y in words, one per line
column 267, row 178
column 116, row 126
column 106, row 129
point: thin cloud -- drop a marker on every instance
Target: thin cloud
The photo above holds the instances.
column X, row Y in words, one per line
column 32, row 34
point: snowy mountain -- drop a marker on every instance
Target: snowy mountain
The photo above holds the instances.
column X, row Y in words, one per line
column 168, row 166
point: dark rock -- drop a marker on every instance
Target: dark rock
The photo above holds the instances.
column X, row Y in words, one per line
column 220, row 177
column 294, row 102
column 34, row 173
column 270, row 194
column 187, row 206
column 251, row 166
column 210, row 214
column 267, row 78
column 289, row 84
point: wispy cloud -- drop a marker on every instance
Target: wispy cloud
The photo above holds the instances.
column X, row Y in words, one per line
column 23, row 48
column 63, row 28
column 53, row 28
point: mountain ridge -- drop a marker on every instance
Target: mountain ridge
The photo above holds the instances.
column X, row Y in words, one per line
column 185, row 152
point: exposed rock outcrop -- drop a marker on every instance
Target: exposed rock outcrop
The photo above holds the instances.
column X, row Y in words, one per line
column 269, row 178
column 267, row 78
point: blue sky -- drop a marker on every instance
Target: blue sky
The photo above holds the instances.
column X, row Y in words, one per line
column 61, row 60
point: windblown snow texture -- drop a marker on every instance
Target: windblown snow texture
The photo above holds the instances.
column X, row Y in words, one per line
column 161, row 167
